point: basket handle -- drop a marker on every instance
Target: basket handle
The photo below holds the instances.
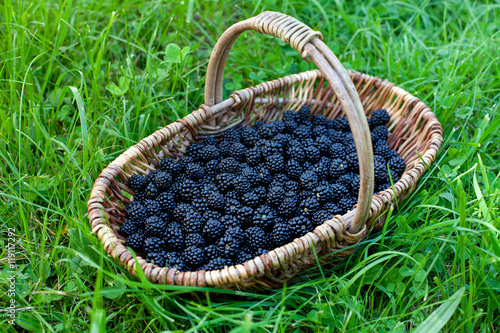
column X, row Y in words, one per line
column 309, row 44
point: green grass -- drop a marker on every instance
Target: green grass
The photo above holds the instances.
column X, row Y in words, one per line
column 81, row 81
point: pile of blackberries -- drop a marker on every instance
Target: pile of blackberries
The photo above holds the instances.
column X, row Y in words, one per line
column 256, row 189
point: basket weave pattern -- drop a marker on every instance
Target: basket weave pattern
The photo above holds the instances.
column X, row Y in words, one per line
column 414, row 131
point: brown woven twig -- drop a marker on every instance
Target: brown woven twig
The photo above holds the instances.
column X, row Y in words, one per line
column 414, row 131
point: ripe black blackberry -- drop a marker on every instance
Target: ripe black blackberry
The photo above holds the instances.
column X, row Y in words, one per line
column 166, row 201
column 230, row 221
column 171, row 166
column 380, row 133
column 150, row 177
column 319, row 131
column 225, row 182
column 151, row 191
column 137, row 182
column 323, row 193
column 308, row 180
column 224, row 148
column 288, row 115
column 275, row 163
column 136, row 211
column 228, row 165
column 319, row 120
column 303, row 114
column 280, row 235
column 242, row 185
column 210, row 214
column 232, row 206
column 322, row 168
column 291, row 186
column 235, row 232
column 212, row 168
column 228, row 247
column 154, row 244
column 382, row 187
column 155, row 226
column 397, row 167
column 158, row 258
column 255, row 238
column 128, row 228
column 174, row 237
column 283, row 139
column 338, row 167
column 254, row 156
column 188, row 190
column 249, row 136
column 293, row 169
column 323, row 143
column 136, row 241
column 216, row 201
column 195, row 151
column 352, row 162
column 192, row 221
column 296, row 153
column 300, row 226
column 320, row 217
column 211, row 252
column 264, row 217
column 267, row 131
column 303, row 132
column 347, row 203
column 337, row 150
column 288, row 206
column 290, row 126
column 251, row 199
column 243, row 257
column 194, row 171
column 341, row 124
column 180, row 211
column 380, row 172
column 272, row 148
column 213, row 230
column 152, row 207
column 382, row 148
column 200, row 205
column 232, row 135
column 275, row 196
column 193, row 257
column 195, row 239
column 175, row 261
column 210, row 153
column 308, row 206
column 218, row 263
column 380, row 118
column 209, row 141
column 264, row 176
column 245, row 215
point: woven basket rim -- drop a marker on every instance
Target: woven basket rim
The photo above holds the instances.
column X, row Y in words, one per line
column 267, row 261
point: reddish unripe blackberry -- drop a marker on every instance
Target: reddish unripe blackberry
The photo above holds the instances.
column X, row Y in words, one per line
column 137, row 182
column 255, row 238
column 195, row 239
column 308, row 206
column 174, row 237
column 380, row 118
column 213, row 230
column 280, row 235
column 193, row 257
column 300, row 226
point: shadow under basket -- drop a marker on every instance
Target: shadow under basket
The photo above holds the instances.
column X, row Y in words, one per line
column 415, row 134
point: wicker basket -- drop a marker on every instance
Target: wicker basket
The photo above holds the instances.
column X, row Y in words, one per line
column 332, row 91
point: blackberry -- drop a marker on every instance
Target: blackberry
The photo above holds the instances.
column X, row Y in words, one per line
column 382, row 148
column 303, row 114
column 166, row 201
column 136, row 211
column 230, row 221
column 211, row 252
column 275, row 163
column 232, row 135
column 251, row 175
column 380, row 172
column 300, row 226
column 151, row 191
column 332, row 209
column 319, row 131
column 272, row 148
column 192, row 222
column 293, row 169
column 193, row 257
column 338, row 167
column 288, row 207
column 211, row 215
column 209, row 141
column 323, row 143
column 150, row 177
column 212, row 168
column 174, row 237
column 128, row 228
column 380, row 117
column 236, row 233
column 280, row 235
column 180, row 211
column 242, row 185
column 354, row 184
column 188, row 190
column 267, row 131
column 224, row 148
column 291, row 186
column 249, row 136
column 275, row 196
column 319, row 120
column 254, row 156
column 175, row 261
column 320, row 217
column 158, row 258
column 255, row 238
column 155, row 226
column 382, row 187
column 136, row 241
column 171, row 166
column 290, row 126
column 350, row 148
column 232, row 206
column 251, row 199
column 264, row 217
column 225, row 182
column 283, row 139
column 152, row 207
column 216, row 201
column 228, row 165
column 200, row 205
column 195, row 151
column 296, row 153
column 397, row 167
column 213, row 230
column 209, row 153
column 302, row 132
column 337, row 150
column 137, row 182
column 279, row 125
column 380, row 133
column 245, row 215
column 308, row 206
column 322, row 168
column 339, row 191
column 243, row 257
column 195, row 239
column 218, row 263
column 305, row 194
column 341, row 124
column 288, row 115
column 335, row 136
column 237, row 151
column 323, row 194
column 194, row 171
column 228, row 247
column 264, row 176
column 308, row 180
column 352, row 162
column 347, row 203
column 154, row 244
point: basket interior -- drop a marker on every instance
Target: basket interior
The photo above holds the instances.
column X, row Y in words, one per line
column 409, row 128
